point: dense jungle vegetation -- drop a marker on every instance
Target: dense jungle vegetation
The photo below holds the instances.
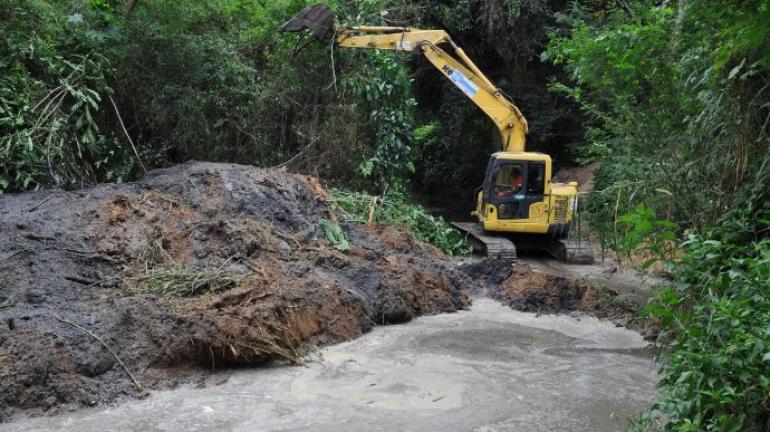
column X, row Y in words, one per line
column 672, row 97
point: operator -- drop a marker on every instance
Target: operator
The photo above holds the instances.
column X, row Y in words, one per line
column 516, row 179
column 513, row 184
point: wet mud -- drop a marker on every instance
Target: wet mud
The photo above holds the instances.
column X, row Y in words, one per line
column 110, row 291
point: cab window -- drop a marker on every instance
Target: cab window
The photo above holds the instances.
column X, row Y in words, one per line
column 536, row 178
column 508, row 179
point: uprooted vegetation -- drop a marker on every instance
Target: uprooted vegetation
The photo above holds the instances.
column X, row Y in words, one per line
column 197, row 267
column 394, row 208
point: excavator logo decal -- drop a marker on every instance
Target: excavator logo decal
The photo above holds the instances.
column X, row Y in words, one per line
column 461, row 81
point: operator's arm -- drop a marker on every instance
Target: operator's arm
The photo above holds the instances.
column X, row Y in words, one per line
column 463, row 73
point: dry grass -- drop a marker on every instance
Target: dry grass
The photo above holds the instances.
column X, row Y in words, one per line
column 183, row 281
column 10, row 301
column 276, row 340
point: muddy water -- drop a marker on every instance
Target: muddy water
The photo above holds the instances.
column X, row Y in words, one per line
column 487, row 369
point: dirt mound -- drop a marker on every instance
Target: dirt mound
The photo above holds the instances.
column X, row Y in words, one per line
column 196, row 267
column 531, row 291
column 583, row 175
column 544, row 293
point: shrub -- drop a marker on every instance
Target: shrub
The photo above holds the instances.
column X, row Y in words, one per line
column 394, row 208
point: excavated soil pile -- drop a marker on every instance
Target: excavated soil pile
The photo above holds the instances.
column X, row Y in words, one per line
column 531, row 291
column 544, row 293
column 525, row 289
column 108, row 291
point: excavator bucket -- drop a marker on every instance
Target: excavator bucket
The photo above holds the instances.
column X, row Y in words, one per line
column 318, row 18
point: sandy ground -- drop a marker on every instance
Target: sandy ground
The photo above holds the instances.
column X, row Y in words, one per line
column 488, row 369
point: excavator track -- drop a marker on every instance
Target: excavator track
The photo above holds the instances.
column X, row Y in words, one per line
column 571, row 251
column 499, row 247
column 492, row 246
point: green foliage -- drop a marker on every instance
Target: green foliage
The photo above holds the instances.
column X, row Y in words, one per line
column 679, row 94
column 55, row 116
column 216, row 81
column 657, row 237
column 387, row 97
column 334, row 235
column 717, row 317
column 212, row 81
column 394, row 208
column 670, row 113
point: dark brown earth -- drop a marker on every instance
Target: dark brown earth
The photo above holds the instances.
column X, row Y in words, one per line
column 197, row 267
column 204, row 266
column 528, row 290
column 545, row 293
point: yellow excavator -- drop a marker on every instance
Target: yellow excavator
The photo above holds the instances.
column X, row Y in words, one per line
column 518, row 205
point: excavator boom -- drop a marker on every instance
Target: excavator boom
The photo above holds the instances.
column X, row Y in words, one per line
column 518, row 197
column 461, row 71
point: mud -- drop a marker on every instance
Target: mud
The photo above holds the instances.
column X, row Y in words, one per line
column 583, row 175
column 108, row 292
column 531, row 290
column 487, row 369
column 197, row 267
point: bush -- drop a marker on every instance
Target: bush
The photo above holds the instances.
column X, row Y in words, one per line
column 679, row 117
column 394, row 208
column 212, row 81
column 57, row 123
column 716, row 375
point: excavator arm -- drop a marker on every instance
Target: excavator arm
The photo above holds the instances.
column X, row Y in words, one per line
column 461, row 71
column 541, row 211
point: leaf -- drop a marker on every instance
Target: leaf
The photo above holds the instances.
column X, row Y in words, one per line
column 734, row 71
column 334, row 235
column 667, row 224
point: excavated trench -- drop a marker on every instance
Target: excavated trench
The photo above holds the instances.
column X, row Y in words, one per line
column 111, row 291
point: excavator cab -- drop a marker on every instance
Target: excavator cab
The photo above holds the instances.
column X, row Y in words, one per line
column 513, row 186
column 514, row 191
column 520, row 207
column 516, row 195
